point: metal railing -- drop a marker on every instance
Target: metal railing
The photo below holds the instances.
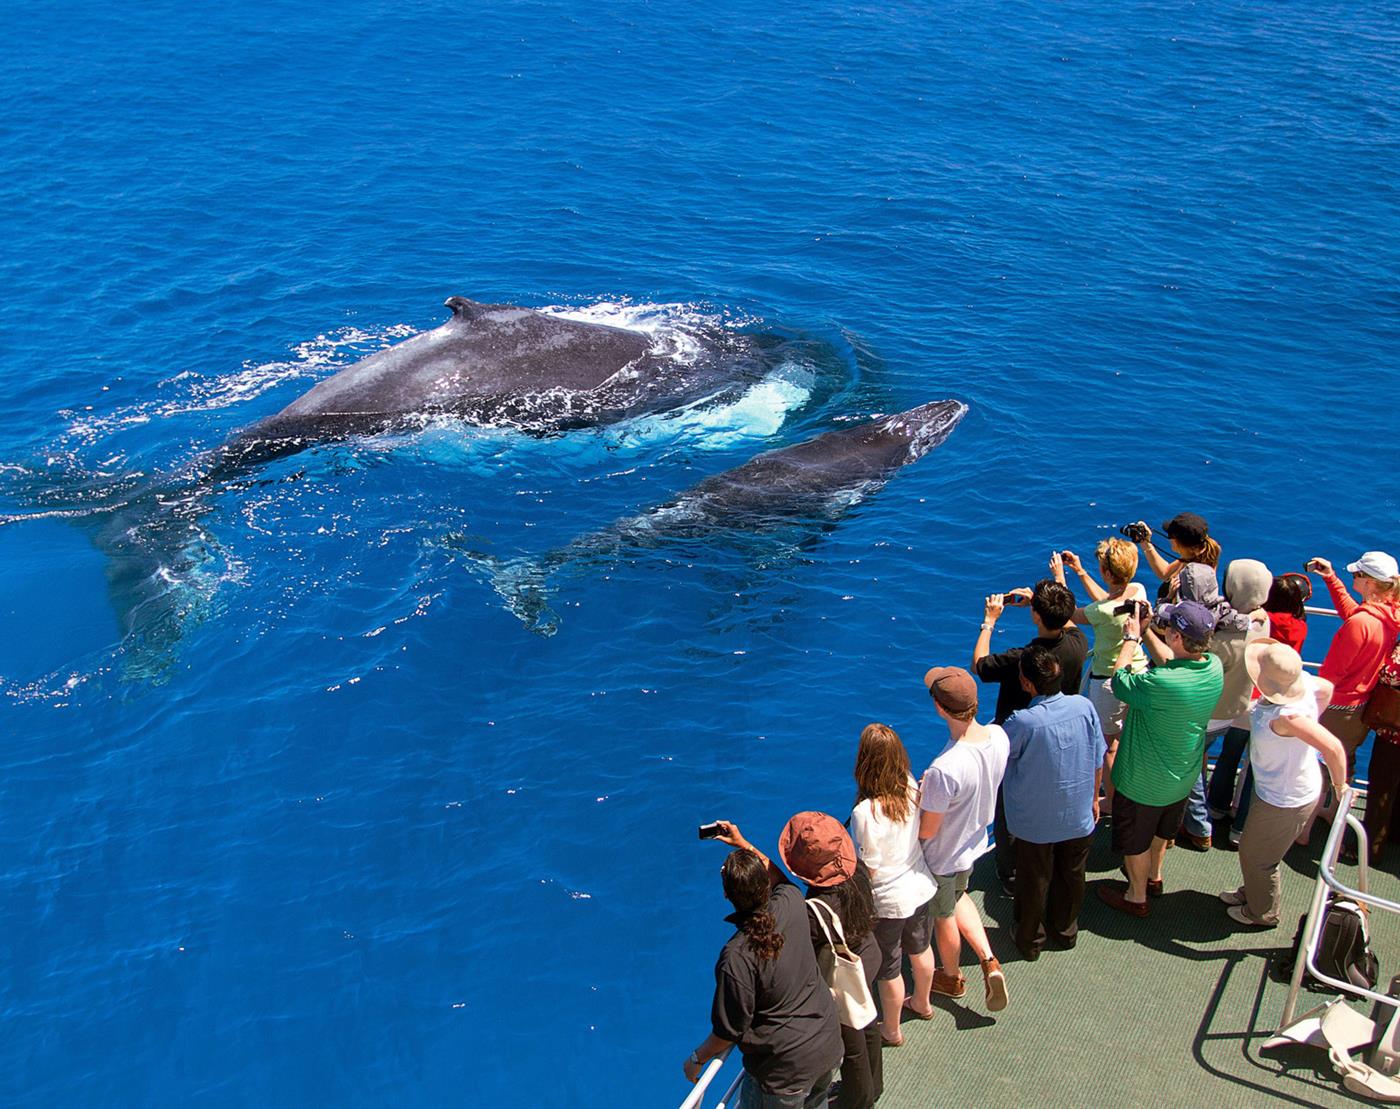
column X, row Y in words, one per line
column 712, row 1068
column 1327, row 880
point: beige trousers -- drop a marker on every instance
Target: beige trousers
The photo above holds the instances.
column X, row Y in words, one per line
column 1268, row 834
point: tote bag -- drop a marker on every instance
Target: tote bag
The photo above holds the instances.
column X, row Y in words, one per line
column 842, row 970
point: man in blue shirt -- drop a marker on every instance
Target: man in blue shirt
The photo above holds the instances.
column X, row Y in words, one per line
column 1051, row 790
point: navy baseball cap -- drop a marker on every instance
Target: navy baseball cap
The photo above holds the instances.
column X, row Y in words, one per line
column 1191, row 618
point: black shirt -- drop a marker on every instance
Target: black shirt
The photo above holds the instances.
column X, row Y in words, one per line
column 779, row 1011
column 1071, row 648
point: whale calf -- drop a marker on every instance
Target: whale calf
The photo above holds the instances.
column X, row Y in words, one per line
column 808, row 485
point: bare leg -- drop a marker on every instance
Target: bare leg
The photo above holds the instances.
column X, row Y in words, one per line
column 891, row 1005
column 945, row 934
column 1156, row 854
column 1137, row 867
column 922, row 966
column 970, row 924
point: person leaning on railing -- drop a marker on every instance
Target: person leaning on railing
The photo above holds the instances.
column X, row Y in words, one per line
column 1362, row 643
column 770, row 997
column 1285, row 743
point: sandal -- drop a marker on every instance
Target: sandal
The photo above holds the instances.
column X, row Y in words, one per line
column 909, row 1008
column 885, row 1041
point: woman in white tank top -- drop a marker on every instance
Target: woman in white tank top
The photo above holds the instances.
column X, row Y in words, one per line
column 1285, row 742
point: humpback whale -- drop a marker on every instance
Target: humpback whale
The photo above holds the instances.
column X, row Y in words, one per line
column 808, row 485
column 499, row 365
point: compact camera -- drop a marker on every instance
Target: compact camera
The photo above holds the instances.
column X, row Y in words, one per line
column 1129, row 607
column 1137, row 532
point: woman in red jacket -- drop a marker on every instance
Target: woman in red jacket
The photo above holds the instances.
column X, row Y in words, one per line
column 1364, row 641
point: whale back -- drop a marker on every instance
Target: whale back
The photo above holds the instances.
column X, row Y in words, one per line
column 483, row 353
column 793, row 479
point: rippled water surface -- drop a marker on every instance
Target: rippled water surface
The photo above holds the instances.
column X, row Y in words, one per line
column 348, row 832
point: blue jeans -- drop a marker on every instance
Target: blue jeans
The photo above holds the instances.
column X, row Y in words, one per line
column 1196, row 819
column 1221, row 792
column 753, row 1096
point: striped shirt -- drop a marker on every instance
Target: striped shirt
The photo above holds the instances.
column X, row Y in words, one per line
column 1159, row 756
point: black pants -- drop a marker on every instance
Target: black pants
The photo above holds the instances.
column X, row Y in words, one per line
column 1049, row 891
column 1005, row 842
column 1384, row 783
column 862, row 1068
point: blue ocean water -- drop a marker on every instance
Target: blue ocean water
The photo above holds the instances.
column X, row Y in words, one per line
column 359, row 837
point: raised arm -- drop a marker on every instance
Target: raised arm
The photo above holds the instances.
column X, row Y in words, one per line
column 996, row 604
column 1091, row 587
column 731, row 835
column 1158, row 565
column 1342, row 601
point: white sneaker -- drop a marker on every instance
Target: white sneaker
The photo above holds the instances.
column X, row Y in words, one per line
column 1232, row 897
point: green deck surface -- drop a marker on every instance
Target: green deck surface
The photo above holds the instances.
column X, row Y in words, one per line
column 1168, row 1011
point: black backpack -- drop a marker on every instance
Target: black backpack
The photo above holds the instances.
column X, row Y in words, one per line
column 1344, row 951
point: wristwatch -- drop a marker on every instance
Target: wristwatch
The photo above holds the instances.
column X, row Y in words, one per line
column 694, row 1058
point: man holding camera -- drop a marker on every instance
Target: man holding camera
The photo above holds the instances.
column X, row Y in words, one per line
column 1052, row 606
column 1163, row 744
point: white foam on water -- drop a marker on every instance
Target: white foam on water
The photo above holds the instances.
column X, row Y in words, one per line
column 189, row 391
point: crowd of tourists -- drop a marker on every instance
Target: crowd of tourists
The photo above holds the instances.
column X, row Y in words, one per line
column 812, row 989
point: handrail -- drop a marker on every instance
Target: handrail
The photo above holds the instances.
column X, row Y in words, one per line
column 1320, row 610
column 712, row 1068
column 729, row 1093
column 1312, row 930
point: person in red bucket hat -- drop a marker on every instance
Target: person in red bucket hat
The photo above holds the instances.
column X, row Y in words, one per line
column 817, row 850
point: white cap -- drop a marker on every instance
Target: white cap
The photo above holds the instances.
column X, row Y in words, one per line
column 1375, row 564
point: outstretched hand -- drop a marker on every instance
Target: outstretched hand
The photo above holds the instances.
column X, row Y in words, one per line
column 729, row 833
column 1071, row 560
column 1319, row 566
column 996, row 604
column 1057, row 567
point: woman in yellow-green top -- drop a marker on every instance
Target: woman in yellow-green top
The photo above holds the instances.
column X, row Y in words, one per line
column 1118, row 563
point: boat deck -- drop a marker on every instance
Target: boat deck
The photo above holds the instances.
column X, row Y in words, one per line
column 1171, row 1010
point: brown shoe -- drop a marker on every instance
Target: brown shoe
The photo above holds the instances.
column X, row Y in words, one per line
column 1154, row 885
column 996, row 985
column 949, row 985
column 1195, row 843
column 1113, row 897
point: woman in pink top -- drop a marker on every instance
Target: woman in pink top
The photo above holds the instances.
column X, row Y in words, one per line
column 1365, row 639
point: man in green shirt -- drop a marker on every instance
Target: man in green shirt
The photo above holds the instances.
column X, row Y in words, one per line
column 1163, row 744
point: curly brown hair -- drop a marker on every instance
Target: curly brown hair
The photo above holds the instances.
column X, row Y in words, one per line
column 882, row 772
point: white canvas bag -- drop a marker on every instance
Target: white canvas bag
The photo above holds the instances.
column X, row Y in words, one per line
column 841, row 968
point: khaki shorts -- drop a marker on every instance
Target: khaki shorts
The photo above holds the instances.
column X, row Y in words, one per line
column 1111, row 710
column 950, row 888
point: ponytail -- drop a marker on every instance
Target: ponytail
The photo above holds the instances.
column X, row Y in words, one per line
column 764, row 937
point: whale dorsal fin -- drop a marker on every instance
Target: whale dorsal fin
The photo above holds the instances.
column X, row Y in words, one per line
column 464, row 309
